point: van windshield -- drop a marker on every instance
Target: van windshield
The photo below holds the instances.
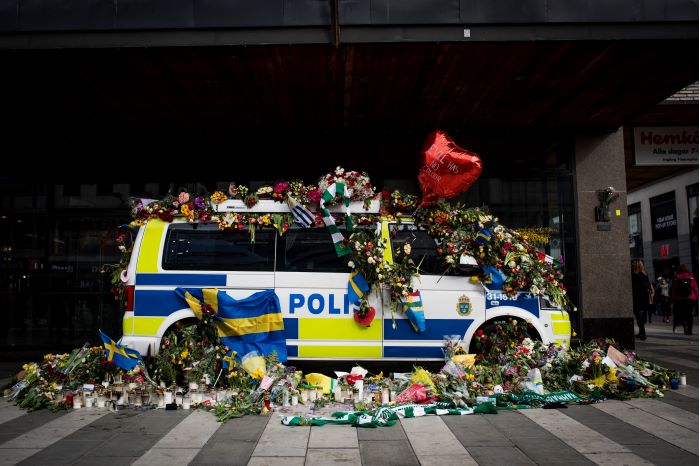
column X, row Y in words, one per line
column 423, row 248
column 207, row 248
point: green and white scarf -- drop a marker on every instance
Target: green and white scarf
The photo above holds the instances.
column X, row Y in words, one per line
column 328, row 195
column 387, row 416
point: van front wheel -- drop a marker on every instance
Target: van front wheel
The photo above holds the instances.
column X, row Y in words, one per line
column 496, row 325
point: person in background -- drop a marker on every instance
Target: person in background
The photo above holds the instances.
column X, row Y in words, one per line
column 663, row 294
column 684, row 295
column 641, row 291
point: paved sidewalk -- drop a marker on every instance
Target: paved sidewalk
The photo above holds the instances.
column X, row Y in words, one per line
column 635, row 432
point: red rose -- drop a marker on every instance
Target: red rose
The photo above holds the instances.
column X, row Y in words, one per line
column 479, row 332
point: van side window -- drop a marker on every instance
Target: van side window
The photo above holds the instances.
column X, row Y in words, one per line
column 210, row 249
column 423, row 248
column 309, row 250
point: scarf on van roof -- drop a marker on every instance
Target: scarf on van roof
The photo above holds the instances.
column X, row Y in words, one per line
column 341, row 248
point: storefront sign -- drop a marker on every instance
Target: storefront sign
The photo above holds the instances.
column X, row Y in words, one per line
column 664, row 221
column 666, row 145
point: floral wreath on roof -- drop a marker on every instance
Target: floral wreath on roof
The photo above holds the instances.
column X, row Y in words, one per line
column 358, row 184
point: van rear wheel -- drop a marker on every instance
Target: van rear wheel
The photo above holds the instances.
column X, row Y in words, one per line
column 491, row 327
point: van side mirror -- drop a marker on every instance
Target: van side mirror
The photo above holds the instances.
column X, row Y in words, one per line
column 468, row 265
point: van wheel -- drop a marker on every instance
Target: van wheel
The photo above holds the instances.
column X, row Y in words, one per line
column 174, row 328
column 489, row 327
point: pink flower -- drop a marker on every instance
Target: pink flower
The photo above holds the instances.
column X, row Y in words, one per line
column 314, row 195
column 183, row 197
column 281, row 187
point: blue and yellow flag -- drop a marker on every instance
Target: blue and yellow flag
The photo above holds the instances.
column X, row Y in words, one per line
column 357, row 287
column 495, row 275
column 413, row 307
column 251, row 324
column 123, row 357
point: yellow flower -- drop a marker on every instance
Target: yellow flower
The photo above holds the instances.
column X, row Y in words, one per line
column 258, row 374
column 184, row 354
column 186, row 211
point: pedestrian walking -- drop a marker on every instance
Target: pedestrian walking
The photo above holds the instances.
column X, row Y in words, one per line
column 663, row 296
column 684, row 295
column 642, row 296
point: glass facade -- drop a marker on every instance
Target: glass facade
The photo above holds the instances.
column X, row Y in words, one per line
column 57, row 240
column 692, row 192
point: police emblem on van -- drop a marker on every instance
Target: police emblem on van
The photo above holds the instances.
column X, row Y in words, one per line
column 464, row 305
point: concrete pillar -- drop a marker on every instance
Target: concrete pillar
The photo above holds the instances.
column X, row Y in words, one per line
column 604, row 259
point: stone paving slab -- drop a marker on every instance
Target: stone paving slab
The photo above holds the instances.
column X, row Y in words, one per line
column 280, row 440
column 642, row 443
column 672, row 433
column 681, row 401
column 476, row 430
column 325, row 456
column 662, row 455
column 276, row 461
column 167, row 457
column 387, row 453
column 55, row 430
column 67, row 453
column 11, row 456
column 106, row 461
column 22, row 424
column 333, row 436
column 192, row 432
column 577, row 435
column 232, row 452
column 394, row 432
column 513, row 425
column 667, row 412
column 242, row 428
column 499, row 456
column 127, row 444
column 8, row 412
column 429, row 436
column 447, row 460
column 616, row 459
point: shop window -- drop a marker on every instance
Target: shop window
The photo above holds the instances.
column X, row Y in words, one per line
column 206, row 248
column 663, row 217
column 635, row 231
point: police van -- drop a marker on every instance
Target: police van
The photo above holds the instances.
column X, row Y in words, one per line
column 311, row 282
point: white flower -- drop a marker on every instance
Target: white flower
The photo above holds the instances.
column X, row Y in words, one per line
column 511, row 264
column 380, row 276
column 370, row 260
column 351, row 264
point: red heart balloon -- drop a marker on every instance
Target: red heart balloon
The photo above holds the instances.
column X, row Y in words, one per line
column 367, row 319
column 447, row 169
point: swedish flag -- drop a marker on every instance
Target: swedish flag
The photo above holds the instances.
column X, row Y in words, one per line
column 123, row 357
column 357, row 287
column 413, row 307
column 244, row 325
column 495, row 275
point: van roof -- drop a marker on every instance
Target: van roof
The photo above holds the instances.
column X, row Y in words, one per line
column 271, row 206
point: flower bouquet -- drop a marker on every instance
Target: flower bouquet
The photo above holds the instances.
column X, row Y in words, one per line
column 358, row 184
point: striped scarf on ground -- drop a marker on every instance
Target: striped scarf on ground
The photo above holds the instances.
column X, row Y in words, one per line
column 328, row 195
